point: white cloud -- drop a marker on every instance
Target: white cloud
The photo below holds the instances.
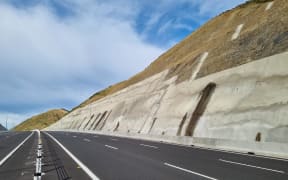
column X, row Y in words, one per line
column 183, row 26
column 218, row 6
column 45, row 59
column 51, row 61
column 165, row 26
column 197, row 13
column 13, row 119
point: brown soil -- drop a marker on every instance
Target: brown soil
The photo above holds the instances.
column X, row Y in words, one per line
column 264, row 33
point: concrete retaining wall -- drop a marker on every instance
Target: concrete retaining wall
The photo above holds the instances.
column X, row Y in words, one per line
column 278, row 150
column 249, row 100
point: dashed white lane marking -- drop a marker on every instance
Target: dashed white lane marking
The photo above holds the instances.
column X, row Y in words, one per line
column 217, row 150
column 95, row 136
column 14, row 150
column 87, row 140
column 248, row 165
column 114, row 139
column 111, row 147
column 189, row 171
column 83, row 166
column 201, row 61
column 237, row 32
column 74, row 136
column 155, row 147
column 269, row 6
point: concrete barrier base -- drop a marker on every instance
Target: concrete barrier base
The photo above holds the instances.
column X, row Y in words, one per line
column 271, row 149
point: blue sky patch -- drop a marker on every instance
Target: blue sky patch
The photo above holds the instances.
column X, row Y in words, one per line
column 57, row 53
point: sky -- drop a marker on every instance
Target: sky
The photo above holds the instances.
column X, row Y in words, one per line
column 57, row 53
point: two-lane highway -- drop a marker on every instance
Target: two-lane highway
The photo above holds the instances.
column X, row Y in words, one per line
column 121, row 158
column 71, row 155
column 19, row 153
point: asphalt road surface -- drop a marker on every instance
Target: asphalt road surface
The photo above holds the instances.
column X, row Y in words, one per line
column 80, row 156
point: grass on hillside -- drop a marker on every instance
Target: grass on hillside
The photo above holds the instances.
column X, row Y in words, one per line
column 41, row 121
column 179, row 54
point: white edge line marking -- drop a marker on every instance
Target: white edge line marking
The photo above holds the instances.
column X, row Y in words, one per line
column 155, row 147
column 186, row 170
column 269, row 5
column 83, row 166
column 14, row 150
column 258, row 167
column 237, row 32
column 111, row 147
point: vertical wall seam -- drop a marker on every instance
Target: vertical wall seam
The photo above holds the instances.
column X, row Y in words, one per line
column 237, row 32
column 269, row 6
column 201, row 61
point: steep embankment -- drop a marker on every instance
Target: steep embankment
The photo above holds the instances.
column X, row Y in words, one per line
column 42, row 120
column 262, row 37
column 224, row 85
column 249, row 32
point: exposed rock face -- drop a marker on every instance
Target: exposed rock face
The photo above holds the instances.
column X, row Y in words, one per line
column 41, row 121
column 227, row 80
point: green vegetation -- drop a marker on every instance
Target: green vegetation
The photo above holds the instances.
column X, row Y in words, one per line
column 41, row 121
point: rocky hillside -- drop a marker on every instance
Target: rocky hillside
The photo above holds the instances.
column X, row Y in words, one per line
column 42, row 120
column 225, row 86
column 263, row 35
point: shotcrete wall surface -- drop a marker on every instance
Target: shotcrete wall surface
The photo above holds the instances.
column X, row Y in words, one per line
column 249, row 100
